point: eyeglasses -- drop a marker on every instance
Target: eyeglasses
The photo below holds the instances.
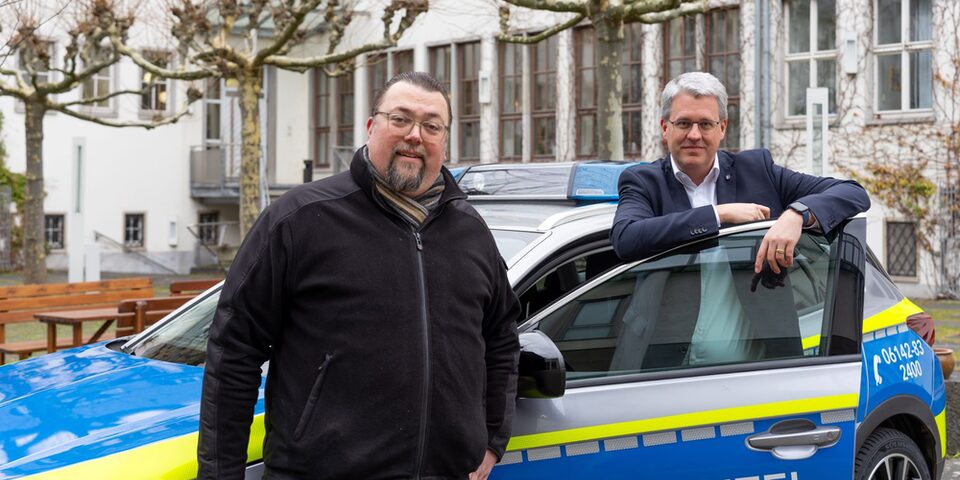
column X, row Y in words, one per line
column 401, row 124
column 706, row 126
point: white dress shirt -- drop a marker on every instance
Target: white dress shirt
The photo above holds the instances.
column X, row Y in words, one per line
column 722, row 332
column 703, row 194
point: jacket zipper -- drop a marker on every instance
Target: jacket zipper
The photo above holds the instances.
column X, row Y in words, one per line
column 425, row 391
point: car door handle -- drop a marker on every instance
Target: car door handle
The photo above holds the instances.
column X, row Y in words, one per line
column 795, row 439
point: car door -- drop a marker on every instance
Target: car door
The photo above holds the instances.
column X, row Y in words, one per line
column 689, row 366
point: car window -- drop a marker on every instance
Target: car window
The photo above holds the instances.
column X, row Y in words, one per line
column 184, row 339
column 697, row 306
column 565, row 278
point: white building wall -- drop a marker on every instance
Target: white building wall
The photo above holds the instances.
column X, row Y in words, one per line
column 148, row 171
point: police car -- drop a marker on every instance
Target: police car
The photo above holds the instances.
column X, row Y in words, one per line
column 684, row 365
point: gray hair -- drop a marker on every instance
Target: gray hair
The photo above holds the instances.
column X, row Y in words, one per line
column 698, row 84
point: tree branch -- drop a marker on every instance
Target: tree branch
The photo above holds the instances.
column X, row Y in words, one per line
column 503, row 36
column 139, row 60
column 108, row 96
column 572, row 6
column 288, row 32
column 109, row 123
column 637, row 13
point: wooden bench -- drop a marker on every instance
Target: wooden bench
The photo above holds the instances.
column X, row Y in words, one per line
column 19, row 303
column 135, row 315
column 192, row 287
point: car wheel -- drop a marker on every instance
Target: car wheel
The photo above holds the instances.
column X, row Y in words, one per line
column 889, row 454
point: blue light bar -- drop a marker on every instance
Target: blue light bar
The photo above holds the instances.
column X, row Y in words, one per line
column 596, row 182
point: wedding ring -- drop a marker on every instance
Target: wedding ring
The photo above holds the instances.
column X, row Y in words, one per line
column 780, row 251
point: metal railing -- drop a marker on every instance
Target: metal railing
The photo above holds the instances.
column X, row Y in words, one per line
column 214, row 166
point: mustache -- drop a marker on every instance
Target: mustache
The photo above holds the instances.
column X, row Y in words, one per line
column 417, row 150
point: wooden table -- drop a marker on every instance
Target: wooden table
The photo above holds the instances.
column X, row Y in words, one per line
column 76, row 319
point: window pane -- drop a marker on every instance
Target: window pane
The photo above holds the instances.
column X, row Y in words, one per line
column 799, row 11
column 826, row 26
column 470, row 143
column 733, row 75
column 689, row 36
column 888, row 82
column 921, row 79
column 588, row 93
column 213, row 121
column 731, row 140
column 587, row 138
column 921, row 24
column 676, row 68
column 799, row 73
column 696, row 307
column 888, row 21
column 827, row 77
column 511, row 140
column 717, row 23
column 632, row 133
column 544, row 130
column 323, row 149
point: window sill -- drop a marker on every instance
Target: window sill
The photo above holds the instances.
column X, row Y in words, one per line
column 150, row 115
column 800, row 123
column 900, row 278
column 98, row 112
column 901, row 118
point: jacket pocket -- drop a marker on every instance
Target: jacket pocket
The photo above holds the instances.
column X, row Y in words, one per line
column 312, row 399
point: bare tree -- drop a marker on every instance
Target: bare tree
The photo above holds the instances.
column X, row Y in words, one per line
column 221, row 40
column 39, row 83
column 608, row 19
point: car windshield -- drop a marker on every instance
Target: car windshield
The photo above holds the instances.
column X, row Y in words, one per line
column 511, row 242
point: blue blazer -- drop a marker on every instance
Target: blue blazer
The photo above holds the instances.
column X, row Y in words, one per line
column 654, row 213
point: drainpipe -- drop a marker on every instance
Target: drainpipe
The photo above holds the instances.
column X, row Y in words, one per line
column 762, row 90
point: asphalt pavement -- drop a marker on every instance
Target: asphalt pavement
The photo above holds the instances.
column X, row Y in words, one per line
column 952, row 469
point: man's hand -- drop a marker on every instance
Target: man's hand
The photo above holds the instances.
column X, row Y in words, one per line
column 736, row 213
column 483, row 471
column 778, row 244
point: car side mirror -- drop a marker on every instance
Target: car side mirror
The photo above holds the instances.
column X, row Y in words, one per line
column 542, row 370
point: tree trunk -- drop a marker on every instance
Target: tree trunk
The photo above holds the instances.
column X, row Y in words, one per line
column 250, row 86
column 609, row 88
column 35, row 267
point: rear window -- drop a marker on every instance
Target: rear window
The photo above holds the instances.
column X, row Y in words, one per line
column 538, row 181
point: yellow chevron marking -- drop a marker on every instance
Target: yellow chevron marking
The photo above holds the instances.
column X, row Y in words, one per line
column 685, row 420
column 171, row 459
column 941, row 420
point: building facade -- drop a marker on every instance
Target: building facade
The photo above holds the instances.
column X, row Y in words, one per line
column 880, row 72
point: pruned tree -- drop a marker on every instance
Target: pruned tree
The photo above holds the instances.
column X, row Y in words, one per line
column 43, row 85
column 608, row 19
column 220, row 39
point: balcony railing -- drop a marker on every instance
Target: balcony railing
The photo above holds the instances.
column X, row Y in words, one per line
column 215, row 171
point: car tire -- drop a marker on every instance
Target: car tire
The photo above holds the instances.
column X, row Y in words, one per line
column 886, row 453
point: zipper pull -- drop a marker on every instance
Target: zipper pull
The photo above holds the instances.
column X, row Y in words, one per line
column 416, row 235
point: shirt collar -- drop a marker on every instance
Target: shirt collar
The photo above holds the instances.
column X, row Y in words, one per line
column 685, row 179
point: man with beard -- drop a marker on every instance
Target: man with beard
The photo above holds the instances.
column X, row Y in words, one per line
column 381, row 302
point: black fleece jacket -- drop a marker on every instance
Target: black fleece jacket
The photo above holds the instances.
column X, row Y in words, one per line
column 393, row 350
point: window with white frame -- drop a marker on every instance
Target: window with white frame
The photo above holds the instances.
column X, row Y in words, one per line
column 212, row 100
column 155, row 90
column 133, row 230
column 53, row 231
column 811, row 56
column 902, row 249
column 903, row 58
column 468, row 101
column 38, row 60
column 99, row 84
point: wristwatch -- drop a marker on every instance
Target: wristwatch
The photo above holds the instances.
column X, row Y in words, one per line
column 803, row 210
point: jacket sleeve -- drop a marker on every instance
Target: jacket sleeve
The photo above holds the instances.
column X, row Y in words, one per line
column 831, row 200
column 502, row 353
column 243, row 330
column 639, row 232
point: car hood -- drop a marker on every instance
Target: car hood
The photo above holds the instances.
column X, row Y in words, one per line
column 66, row 408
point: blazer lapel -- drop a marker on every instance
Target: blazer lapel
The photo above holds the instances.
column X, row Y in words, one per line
column 678, row 195
column 727, row 181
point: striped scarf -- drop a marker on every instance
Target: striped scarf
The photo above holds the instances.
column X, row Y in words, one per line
column 413, row 210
